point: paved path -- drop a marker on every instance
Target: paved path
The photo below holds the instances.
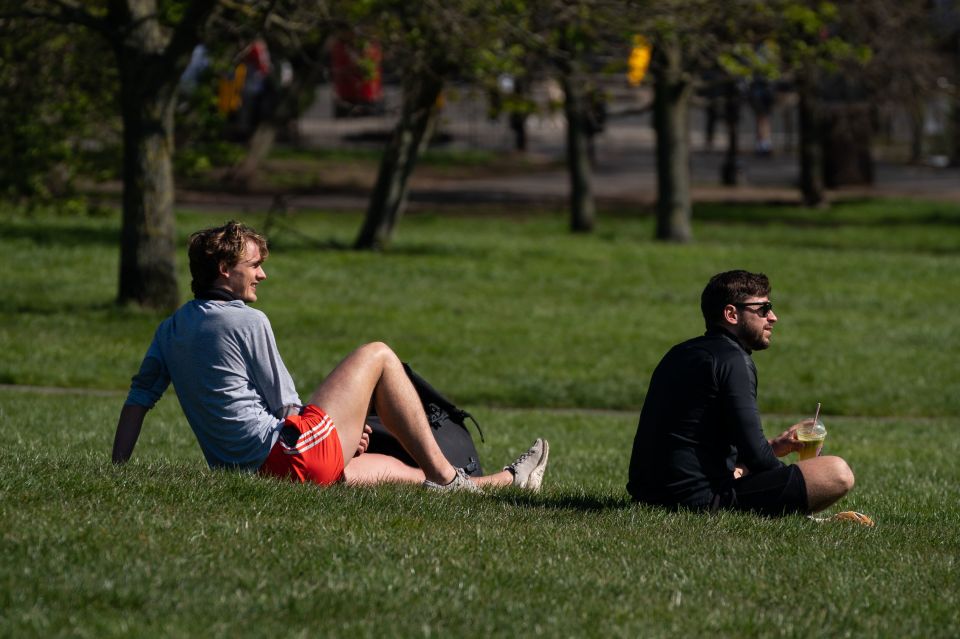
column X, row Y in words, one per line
column 625, row 171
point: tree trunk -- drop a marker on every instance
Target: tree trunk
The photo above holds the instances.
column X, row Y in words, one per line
column 147, row 268
column 811, row 150
column 518, row 115
column 953, row 124
column 582, row 207
column 242, row 175
column 847, row 131
column 150, row 59
column 388, row 199
column 730, row 170
column 917, row 114
column 953, row 130
column 672, row 90
column 518, row 124
column 147, row 95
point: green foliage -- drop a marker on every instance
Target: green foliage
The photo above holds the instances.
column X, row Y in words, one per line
column 462, row 39
column 203, row 135
column 761, row 38
column 57, row 88
column 198, row 159
column 198, row 118
column 172, row 12
column 748, row 60
column 807, row 19
column 818, row 35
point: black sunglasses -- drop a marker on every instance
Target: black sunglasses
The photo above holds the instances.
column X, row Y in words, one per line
column 763, row 308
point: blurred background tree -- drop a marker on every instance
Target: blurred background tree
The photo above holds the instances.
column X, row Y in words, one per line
column 151, row 44
column 57, row 89
column 96, row 80
column 429, row 43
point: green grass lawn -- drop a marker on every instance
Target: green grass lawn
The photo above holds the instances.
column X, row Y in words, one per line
column 165, row 547
column 519, row 312
column 538, row 332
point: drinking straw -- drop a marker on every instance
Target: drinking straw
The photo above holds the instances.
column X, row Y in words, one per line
column 817, row 414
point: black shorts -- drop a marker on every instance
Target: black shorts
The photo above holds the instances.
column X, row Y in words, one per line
column 777, row 492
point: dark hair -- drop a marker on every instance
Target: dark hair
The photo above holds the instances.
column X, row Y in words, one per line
column 731, row 287
column 225, row 244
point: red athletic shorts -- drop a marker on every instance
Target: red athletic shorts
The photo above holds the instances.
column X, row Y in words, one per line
column 308, row 449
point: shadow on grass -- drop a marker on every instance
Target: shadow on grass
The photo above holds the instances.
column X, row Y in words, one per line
column 436, row 250
column 64, row 233
column 284, row 236
column 54, row 307
column 300, row 242
column 853, row 212
column 909, row 248
column 582, row 502
column 297, row 241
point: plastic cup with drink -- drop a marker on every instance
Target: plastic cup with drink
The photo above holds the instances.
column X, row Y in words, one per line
column 811, row 435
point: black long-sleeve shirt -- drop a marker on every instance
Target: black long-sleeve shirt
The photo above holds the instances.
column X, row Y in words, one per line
column 699, row 420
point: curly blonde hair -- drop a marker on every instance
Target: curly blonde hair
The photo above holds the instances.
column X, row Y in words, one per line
column 226, row 245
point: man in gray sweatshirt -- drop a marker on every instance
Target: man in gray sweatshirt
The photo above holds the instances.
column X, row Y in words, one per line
column 222, row 358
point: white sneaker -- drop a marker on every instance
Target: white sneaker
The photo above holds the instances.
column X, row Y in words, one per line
column 529, row 467
column 460, row 481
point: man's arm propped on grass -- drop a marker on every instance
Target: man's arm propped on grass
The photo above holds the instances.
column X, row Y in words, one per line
column 128, row 431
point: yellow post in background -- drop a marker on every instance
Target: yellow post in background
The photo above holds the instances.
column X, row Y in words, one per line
column 639, row 60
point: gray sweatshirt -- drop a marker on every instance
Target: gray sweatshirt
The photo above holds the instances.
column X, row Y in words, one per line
column 223, row 361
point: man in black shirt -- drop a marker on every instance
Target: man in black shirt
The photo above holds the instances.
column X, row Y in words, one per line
column 700, row 443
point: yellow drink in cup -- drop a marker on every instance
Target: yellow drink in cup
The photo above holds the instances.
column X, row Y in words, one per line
column 811, row 436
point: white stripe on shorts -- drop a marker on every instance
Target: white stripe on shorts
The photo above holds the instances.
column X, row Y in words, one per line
column 310, row 438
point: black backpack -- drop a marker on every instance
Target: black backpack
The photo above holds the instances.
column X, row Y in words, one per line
column 447, row 422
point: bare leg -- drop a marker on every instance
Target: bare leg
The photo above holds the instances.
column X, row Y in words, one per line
column 375, row 371
column 503, row 478
column 372, row 468
column 828, row 479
